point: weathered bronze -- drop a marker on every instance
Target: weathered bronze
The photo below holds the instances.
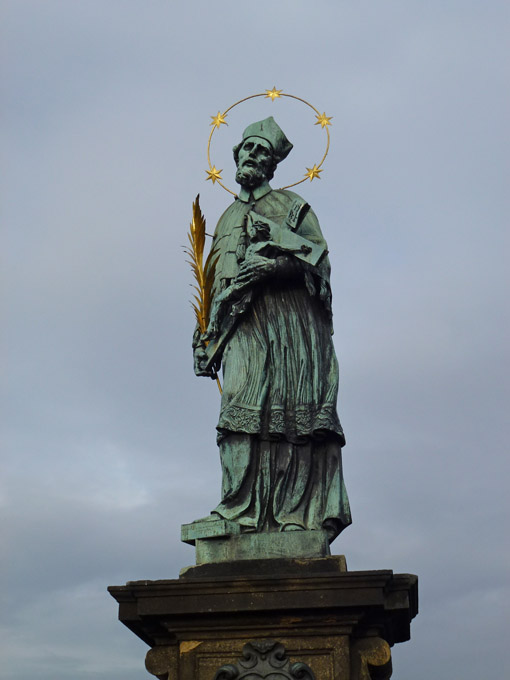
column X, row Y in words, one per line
column 270, row 328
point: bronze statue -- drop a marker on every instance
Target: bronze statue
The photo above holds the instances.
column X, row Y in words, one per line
column 270, row 328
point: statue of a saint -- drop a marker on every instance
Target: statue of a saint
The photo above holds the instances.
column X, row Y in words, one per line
column 279, row 435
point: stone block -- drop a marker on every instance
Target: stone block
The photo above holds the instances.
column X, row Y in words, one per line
column 286, row 544
column 208, row 528
column 338, row 624
column 285, row 567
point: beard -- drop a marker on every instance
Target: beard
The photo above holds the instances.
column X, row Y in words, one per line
column 250, row 176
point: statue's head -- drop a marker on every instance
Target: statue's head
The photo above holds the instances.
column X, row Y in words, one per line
column 263, row 146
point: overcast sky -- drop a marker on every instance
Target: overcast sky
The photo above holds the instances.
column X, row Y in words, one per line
column 109, row 441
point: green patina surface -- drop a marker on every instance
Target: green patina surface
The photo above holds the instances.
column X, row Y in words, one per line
column 292, row 544
column 279, row 434
column 217, row 528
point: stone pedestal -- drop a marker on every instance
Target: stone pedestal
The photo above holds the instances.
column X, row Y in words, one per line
column 221, row 541
column 279, row 618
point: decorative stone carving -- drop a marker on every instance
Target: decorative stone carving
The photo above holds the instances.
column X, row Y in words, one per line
column 265, row 660
column 163, row 662
column 371, row 659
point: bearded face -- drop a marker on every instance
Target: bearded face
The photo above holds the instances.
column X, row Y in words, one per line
column 250, row 177
column 255, row 163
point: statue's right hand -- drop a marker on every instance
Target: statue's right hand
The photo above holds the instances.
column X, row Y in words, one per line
column 199, row 360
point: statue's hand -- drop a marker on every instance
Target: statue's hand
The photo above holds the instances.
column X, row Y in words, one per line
column 255, row 269
column 199, row 360
column 213, row 327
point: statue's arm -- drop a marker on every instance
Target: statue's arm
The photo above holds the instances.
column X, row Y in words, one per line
column 318, row 278
column 259, row 268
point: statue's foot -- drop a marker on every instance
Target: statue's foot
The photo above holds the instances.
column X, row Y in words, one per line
column 210, row 518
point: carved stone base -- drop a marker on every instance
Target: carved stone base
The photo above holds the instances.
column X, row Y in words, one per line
column 292, row 544
column 218, row 540
column 280, row 619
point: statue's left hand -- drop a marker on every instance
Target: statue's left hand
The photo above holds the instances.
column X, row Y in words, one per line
column 255, row 269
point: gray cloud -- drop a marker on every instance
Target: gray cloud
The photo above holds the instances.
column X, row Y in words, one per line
column 109, row 438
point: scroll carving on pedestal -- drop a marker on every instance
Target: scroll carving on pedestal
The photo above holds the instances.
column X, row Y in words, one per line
column 265, row 660
column 371, row 659
column 163, row 662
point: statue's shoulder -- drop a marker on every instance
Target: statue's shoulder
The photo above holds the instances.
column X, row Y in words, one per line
column 309, row 225
column 229, row 211
column 286, row 196
column 227, row 219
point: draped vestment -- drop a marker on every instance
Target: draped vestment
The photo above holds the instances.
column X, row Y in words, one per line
column 279, row 434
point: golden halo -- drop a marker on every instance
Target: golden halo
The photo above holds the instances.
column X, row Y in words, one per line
column 219, row 119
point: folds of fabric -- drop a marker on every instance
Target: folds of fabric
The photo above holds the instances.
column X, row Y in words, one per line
column 279, row 433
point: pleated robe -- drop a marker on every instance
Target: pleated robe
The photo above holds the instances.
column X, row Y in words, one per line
column 279, row 434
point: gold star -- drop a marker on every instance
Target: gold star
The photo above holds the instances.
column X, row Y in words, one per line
column 213, row 174
column 219, row 120
column 273, row 94
column 323, row 120
column 312, row 172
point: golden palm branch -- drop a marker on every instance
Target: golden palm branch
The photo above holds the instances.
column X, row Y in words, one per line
column 203, row 273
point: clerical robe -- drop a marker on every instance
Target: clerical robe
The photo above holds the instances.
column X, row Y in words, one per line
column 279, row 433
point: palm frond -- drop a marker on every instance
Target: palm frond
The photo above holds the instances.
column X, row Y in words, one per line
column 203, row 274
